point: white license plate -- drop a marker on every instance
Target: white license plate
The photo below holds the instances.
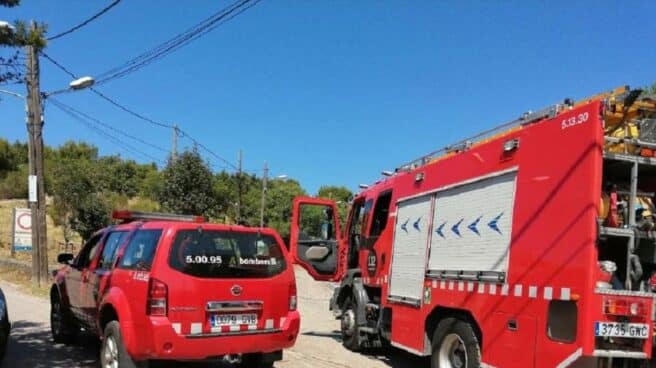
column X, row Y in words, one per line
column 220, row 320
column 617, row 329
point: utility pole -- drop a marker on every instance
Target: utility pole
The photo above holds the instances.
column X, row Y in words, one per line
column 264, row 189
column 239, row 186
column 174, row 147
column 35, row 151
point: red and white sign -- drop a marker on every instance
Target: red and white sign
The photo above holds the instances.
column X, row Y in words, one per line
column 22, row 229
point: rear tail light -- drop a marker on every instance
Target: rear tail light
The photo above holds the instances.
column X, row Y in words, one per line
column 293, row 299
column 158, row 294
column 621, row 307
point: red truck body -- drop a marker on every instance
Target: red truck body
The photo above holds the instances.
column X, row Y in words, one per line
column 502, row 234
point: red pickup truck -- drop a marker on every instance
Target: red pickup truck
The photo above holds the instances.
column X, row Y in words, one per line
column 174, row 288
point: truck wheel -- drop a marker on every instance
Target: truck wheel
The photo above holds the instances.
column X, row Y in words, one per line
column 112, row 351
column 62, row 326
column 349, row 326
column 254, row 361
column 455, row 345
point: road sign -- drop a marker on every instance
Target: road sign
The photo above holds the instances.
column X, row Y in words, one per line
column 22, row 229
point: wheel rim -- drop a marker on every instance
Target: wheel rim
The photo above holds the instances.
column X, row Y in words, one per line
column 110, row 353
column 55, row 318
column 348, row 322
column 453, row 352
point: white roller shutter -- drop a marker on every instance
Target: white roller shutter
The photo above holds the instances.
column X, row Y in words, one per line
column 472, row 225
column 410, row 249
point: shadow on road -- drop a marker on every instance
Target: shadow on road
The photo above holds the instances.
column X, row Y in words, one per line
column 335, row 335
column 393, row 357
column 30, row 345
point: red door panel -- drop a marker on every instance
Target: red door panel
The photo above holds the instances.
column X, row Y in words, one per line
column 314, row 241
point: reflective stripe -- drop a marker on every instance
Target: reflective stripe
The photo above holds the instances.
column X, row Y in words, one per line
column 564, row 294
column 196, row 328
column 548, row 292
column 518, row 290
column 532, row 292
column 571, row 359
column 177, row 327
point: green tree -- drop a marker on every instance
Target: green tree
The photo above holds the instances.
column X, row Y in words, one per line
column 14, row 184
column 72, row 150
column 91, row 215
column 341, row 195
column 279, row 200
column 72, row 186
column 9, row 3
column 151, row 184
column 188, row 186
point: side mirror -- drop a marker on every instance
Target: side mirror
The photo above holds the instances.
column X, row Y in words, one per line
column 65, row 258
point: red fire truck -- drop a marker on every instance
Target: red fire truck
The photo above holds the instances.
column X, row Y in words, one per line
column 531, row 245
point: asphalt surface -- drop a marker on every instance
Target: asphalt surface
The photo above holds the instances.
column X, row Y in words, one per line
column 318, row 345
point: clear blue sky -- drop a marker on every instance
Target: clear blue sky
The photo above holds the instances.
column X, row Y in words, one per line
column 335, row 91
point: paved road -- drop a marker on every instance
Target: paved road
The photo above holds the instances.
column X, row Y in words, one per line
column 318, row 346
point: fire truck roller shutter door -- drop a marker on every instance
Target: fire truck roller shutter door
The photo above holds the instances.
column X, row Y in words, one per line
column 411, row 235
column 472, row 225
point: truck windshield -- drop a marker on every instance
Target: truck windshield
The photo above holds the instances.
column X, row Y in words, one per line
column 226, row 254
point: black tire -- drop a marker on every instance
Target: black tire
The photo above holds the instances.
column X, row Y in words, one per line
column 62, row 325
column 113, row 350
column 349, row 326
column 254, row 361
column 454, row 345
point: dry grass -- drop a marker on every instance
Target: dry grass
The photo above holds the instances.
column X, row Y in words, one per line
column 55, row 233
column 23, row 280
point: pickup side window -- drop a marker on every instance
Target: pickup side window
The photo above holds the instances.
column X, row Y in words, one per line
column 381, row 213
column 114, row 239
column 139, row 253
column 88, row 252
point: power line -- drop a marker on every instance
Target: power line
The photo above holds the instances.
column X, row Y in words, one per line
column 103, row 96
column 94, row 17
column 91, row 124
column 140, row 116
column 112, row 128
column 222, row 16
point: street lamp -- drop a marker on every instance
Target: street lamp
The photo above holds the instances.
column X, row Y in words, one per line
column 82, row 83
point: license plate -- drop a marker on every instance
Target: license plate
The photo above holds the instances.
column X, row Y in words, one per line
column 220, row 320
column 617, row 329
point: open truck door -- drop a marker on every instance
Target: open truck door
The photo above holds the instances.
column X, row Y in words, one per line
column 315, row 237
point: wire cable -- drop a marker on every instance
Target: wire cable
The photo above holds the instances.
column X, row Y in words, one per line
column 140, row 116
column 178, row 41
column 94, row 17
column 110, row 127
column 93, row 125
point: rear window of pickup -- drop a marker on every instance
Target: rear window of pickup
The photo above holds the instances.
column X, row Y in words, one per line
column 226, row 254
